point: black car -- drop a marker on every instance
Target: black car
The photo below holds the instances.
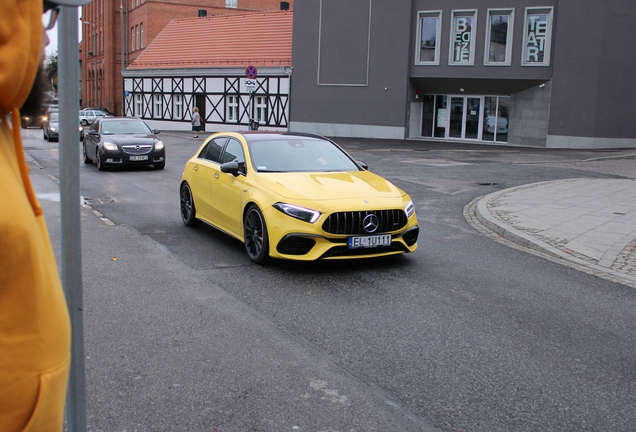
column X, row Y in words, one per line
column 122, row 141
column 34, row 120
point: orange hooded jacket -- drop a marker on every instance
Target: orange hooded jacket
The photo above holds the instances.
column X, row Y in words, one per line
column 34, row 323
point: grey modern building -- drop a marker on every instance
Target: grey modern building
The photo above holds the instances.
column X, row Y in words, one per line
column 545, row 73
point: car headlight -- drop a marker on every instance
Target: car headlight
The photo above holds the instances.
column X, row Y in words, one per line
column 158, row 145
column 53, row 129
column 409, row 209
column 110, row 146
column 297, row 212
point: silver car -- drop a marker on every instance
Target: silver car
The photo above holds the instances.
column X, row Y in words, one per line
column 88, row 116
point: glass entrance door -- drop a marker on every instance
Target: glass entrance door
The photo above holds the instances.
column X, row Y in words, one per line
column 465, row 117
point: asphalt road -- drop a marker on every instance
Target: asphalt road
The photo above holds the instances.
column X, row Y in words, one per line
column 465, row 334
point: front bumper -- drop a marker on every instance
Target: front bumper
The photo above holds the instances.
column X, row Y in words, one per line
column 293, row 239
column 121, row 158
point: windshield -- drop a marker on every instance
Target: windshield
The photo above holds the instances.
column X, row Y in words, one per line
column 125, row 127
column 298, row 154
column 54, row 118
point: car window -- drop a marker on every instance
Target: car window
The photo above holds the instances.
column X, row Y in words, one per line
column 54, row 118
column 212, row 151
column 298, row 154
column 99, row 113
column 233, row 152
column 124, row 127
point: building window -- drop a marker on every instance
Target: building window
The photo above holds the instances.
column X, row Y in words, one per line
column 177, row 106
column 137, row 36
column 462, row 47
column 139, row 105
column 158, row 103
column 499, row 37
column 141, row 35
column 231, row 3
column 261, row 109
column 132, row 38
column 428, row 30
column 232, row 109
column 537, row 37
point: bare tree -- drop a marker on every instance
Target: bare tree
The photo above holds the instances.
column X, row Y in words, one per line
column 50, row 69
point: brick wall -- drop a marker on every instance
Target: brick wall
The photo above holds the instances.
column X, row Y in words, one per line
column 154, row 15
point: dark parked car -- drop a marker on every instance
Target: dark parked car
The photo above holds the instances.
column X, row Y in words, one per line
column 119, row 141
column 36, row 120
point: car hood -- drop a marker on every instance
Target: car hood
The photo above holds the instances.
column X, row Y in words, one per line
column 329, row 185
column 130, row 139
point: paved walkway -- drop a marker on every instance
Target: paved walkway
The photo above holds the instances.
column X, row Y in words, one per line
column 587, row 223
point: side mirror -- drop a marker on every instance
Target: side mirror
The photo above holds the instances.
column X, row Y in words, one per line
column 156, row 131
column 231, row 167
column 363, row 165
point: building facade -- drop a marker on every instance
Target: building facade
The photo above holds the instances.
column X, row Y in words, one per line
column 115, row 32
column 241, row 81
column 549, row 73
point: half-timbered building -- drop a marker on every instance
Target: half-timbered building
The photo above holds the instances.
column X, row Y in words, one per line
column 236, row 69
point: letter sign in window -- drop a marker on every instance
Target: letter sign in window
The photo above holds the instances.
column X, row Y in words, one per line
column 463, row 32
column 537, row 38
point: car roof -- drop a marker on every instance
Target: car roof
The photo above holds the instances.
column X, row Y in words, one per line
column 111, row 118
column 251, row 134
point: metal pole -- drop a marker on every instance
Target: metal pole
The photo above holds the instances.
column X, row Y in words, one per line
column 95, row 58
column 121, row 39
column 71, row 268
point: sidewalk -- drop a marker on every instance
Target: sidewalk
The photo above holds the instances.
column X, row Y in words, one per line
column 590, row 224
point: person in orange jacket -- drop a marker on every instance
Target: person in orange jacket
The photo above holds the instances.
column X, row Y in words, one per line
column 35, row 335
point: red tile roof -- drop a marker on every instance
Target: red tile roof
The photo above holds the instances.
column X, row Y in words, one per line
column 256, row 38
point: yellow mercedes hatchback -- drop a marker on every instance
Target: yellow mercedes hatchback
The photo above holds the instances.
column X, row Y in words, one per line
column 295, row 196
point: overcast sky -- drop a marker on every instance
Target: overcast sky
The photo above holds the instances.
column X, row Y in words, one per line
column 52, row 34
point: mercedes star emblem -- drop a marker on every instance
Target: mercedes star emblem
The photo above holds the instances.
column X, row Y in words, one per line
column 370, row 223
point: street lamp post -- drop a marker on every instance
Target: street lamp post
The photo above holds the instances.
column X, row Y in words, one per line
column 94, row 55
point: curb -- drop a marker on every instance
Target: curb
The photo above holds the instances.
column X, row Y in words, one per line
column 486, row 219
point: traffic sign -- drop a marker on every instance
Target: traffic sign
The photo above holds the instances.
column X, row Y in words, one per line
column 250, row 85
column 251, row 72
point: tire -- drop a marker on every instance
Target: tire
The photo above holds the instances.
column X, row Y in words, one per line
column 85, row 157
column 255, row 235
column 188, row 212
column 98, row 161
column 84, row 122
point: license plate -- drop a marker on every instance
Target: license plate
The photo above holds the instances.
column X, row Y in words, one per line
column 369, row 241
column 138, row 158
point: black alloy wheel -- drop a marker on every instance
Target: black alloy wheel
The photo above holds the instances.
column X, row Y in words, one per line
column 98, row 161
column 255, row 234
column 85, row 157
column 188, row 212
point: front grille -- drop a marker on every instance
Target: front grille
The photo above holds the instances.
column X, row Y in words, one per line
column 133, row 150
column 350, row 223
